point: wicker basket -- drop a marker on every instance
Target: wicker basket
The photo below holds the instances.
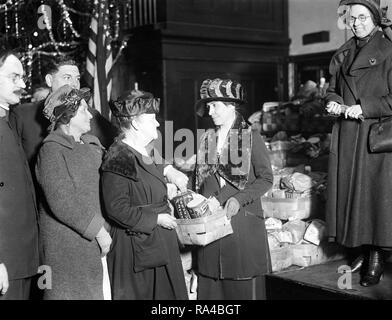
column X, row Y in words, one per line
column 290, row 209
column 204, row 230
column 281, row 258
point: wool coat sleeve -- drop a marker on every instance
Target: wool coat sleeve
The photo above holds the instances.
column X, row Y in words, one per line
column 118, row 204
column 63, row 195
column 263, row 174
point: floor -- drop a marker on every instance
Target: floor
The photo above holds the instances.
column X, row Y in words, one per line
column 325, row 282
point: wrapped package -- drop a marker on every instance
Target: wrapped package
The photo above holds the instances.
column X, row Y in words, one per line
column 273, row 242
column 282, row 236
column 180, row 204
column 296, row 228
column 297, row 182
column 315, row 231
column 272, row 224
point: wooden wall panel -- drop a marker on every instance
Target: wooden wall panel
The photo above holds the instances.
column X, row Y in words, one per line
column 184, row 80
column 256, row 14
column 240, row 20
column 246, row 40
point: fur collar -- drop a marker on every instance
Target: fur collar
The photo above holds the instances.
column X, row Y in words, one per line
column 121, row 160
column 233, row 163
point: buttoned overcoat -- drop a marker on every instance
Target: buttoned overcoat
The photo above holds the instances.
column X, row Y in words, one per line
column 360, row 182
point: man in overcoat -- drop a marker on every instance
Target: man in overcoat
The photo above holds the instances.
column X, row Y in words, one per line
column 18, row 215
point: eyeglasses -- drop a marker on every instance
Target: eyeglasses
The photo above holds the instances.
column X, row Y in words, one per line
column 362, row 18
column 15, row 78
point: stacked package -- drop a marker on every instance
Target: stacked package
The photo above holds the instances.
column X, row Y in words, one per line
column 289, row 151
column 294, row 209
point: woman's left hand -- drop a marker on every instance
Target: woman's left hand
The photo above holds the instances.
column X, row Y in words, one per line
column 232, row 207
column 353, row 112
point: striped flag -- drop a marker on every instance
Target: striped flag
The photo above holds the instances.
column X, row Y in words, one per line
column 99, row 57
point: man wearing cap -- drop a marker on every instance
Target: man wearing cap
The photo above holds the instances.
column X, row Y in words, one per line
column 233, row 166
column 18, row 217
column 359, row 183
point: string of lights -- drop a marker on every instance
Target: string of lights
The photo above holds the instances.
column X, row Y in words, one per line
column 44, row 29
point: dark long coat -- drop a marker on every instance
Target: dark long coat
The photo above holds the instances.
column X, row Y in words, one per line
column 144, row 262
column 18, row 214
column 29, row 123
column 243, row 254
column 360, row 183
column 70, row 216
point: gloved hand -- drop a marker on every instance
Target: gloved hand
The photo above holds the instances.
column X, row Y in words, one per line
column 167, row 221
column 334, row 108
column 171, row 190
column 232, row 207
column 177, row 177
column 4, row 284
column 104, row 240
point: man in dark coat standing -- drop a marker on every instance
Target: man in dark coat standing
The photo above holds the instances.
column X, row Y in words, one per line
column 30, row 124
column 359, row 181
column 18, row 215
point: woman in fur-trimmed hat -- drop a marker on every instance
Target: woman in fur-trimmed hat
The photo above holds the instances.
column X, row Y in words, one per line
column 359, row 181
column 233, row 166
column 71, row 224
column 144, row 263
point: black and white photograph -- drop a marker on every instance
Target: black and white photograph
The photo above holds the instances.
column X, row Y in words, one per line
column 195, row 154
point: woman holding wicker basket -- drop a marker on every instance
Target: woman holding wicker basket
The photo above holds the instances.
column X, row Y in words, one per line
column 233, row 166
column 144, row 262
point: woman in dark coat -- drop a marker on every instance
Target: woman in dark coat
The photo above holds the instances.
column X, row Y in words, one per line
column 144, row 263
column 233, row 166
column 71, row 224
column 360, row 182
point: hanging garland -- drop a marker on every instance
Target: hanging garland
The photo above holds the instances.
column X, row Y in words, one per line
column 62, row 31
column 67, row 18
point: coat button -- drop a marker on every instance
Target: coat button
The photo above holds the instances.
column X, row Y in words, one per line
column 1, row 184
